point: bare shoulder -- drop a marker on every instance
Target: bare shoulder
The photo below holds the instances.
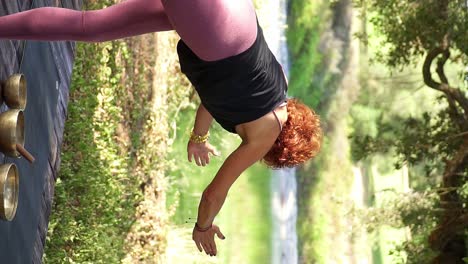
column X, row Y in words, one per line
column 262, row 130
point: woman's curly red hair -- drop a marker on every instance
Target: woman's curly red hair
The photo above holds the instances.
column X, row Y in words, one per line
column 299, row 140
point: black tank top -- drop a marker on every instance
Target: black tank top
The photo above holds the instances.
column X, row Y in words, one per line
column 237, row 89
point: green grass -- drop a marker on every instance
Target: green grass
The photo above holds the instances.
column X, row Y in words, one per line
column 307, row 76
column 94, row 201
column 103, row 162
column 245, row 218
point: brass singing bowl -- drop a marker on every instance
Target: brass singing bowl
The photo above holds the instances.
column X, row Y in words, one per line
column 11, row 132
column 9, row 183
column 14, row 91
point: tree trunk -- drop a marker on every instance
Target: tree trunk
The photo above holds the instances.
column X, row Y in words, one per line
column 448, row 237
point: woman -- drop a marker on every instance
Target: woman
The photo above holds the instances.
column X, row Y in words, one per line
column 224, row 54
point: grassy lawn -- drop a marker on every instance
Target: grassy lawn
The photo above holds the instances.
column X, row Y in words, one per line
column 94, row 201
column 110, row 193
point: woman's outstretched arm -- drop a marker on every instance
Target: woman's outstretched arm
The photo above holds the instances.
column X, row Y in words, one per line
column 252, row 149
column 126, row 19
column 258, row 137
column 215, row 194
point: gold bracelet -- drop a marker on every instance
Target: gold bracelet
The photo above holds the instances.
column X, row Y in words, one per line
column 199, row 139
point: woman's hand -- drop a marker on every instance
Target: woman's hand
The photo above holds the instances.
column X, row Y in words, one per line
column 205, row 240
column 201, row 152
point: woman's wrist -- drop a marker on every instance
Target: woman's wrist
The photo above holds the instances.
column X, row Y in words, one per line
column 201, row 229
column 196, row 138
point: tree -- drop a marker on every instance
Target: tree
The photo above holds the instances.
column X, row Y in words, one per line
column 437, row 31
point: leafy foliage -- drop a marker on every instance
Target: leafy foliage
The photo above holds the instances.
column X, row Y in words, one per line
column 435, row 30
column 304, row 18
column 108, row 152
column 412, row 27
column 411, row 210
column 95, row 198
column 416, row 140
column 317, row 44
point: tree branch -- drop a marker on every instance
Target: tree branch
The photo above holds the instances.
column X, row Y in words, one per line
column 454, row 114
column 440, row 66
column 452, row 94
column 452, row 167
column 460, row 98
column 452, row 220
column 428, row 80
column 459, row 135
column 446, row 232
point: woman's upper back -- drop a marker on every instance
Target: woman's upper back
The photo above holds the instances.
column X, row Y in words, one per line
column 237, row 89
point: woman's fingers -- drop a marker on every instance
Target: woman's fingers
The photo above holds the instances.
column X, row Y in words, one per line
column 213, row 248
column 197, row 159
column 205, row 248
column 208, row 248
column 218, row 233
column 201, row 155
column 213, row 151
column 207, row 158
column 189, row 156
column 201, row 159
column 206, row 242
column 199, row 246
column 204, row 160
